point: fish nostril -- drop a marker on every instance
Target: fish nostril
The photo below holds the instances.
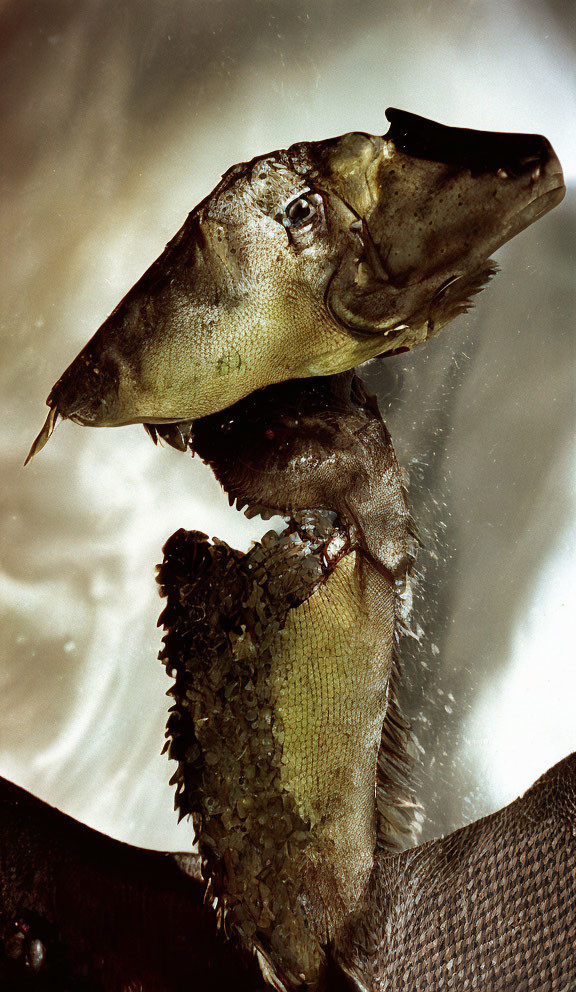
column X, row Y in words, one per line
column 523, row 164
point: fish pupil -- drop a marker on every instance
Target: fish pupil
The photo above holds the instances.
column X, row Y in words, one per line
column 300, row 211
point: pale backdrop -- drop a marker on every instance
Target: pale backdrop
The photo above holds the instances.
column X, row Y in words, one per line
column 117, row 119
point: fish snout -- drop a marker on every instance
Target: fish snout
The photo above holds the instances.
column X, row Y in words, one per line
column 86, row 393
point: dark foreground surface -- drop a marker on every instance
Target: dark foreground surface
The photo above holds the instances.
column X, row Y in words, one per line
column 80, row 911
column 491, row 907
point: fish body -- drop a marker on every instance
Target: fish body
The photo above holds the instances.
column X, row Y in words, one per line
column 285, row 670
column 293, row 757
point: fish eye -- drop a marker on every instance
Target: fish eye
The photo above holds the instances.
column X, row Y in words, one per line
column 301, row 212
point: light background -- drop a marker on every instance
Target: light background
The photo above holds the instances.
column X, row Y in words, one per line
column 117, row 118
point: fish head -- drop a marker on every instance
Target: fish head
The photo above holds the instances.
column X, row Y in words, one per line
column 309, row 261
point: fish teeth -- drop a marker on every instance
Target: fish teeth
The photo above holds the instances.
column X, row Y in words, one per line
column 45, row 434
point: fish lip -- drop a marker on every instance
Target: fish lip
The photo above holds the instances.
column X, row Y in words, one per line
column 551, row 192
column 85, row 421
column 551, row 178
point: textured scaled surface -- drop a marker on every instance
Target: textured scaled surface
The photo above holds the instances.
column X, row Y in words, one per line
column 292, row 752
column 283, row 659
column 260, row 781
column 491, row 907
column 302, row 263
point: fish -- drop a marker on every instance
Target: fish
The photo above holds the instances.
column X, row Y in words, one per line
column 309, row 261
column 294, row 758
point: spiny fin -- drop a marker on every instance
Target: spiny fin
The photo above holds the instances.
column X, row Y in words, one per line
column 399, row 813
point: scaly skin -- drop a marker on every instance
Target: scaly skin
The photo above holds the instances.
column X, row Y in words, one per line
column 292, row 752
column 308, row 262
column 283, row 660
